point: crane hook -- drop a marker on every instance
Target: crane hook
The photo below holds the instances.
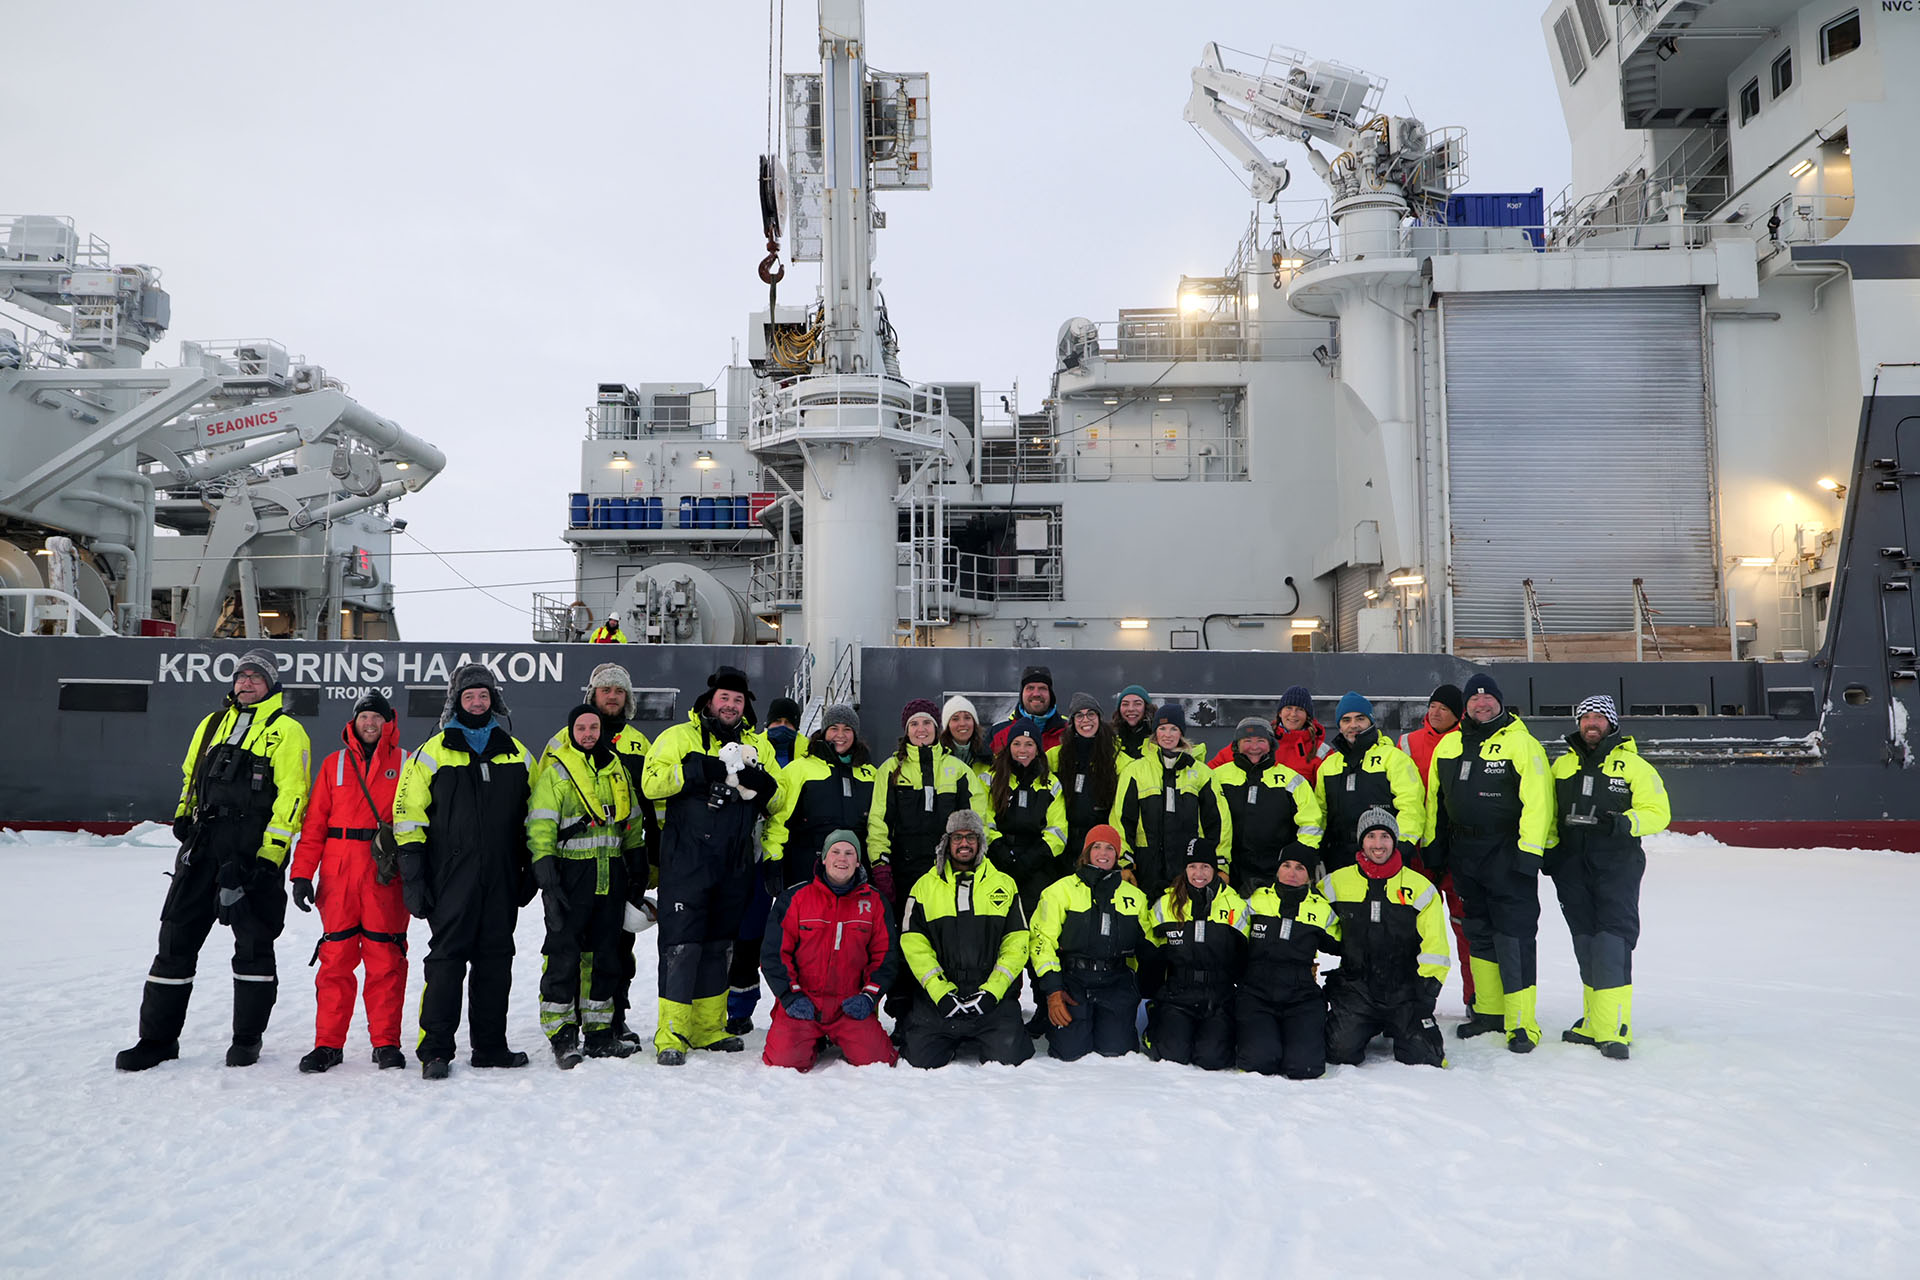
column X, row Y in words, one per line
column 770, row 272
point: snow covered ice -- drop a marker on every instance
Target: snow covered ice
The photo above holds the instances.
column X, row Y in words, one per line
column 1766, row 1125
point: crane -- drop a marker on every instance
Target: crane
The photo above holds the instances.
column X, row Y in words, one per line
column 1309, row 100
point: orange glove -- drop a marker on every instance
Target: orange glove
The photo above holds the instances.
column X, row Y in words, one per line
column 1057, row 1002
column 1126, row 873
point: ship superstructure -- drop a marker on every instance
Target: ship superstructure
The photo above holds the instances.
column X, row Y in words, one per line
column 1424, row 421
column 242, row 492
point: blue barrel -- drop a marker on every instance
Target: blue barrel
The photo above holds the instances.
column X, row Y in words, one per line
column 602, row 510
column 631, row 512
column 656, row 514
column 741, row 520
column 707, row 517
column 689, row 512
column 579, row 510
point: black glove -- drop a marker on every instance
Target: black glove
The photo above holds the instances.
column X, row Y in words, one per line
column 949, row 1005
column 554, row 902
column 1553, row 859
column 302, row 893
column 712, row 772
column 758, row 781
column 1429, row 994
column 981, row 1002
column 232, row 878
column 182, row 828
column 418, row 897
column 1622, row 825
column 773, row 877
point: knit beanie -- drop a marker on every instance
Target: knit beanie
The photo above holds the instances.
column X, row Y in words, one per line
column 1296, row 696
column 1255, row 727
column 1351, row 702
column 1481, row 682
column 841, row 713
column 1450, row 697
column 957, row 703
column 1172, row 713
column 1598, row 704
column 918, row 707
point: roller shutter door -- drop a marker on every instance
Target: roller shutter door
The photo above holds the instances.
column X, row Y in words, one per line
column 1578, row 456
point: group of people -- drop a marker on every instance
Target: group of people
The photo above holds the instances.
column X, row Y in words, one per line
column 1157, row 898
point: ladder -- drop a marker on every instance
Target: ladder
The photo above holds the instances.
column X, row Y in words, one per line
column 1536, row 626
column 1792, row 606
column 926, row 552
column 1643, row 616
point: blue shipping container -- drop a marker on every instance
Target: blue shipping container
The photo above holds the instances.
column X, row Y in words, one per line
column 1526, row 209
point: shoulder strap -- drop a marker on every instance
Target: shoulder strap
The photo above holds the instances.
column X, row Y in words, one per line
column 359, row 776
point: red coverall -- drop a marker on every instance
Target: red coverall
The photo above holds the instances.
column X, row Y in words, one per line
column 360, row 919
column 1301, row 750
column 1420, row 744
column 828, row 945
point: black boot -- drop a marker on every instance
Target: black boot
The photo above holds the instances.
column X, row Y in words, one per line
column 623, row 1033
column 603, row 1043
column 1520, row 1042
column 434, row 1069
column 498, row 1058
column 740, row 1026
column 1577, row 1033
column 1479, row 1024
column 243, row 1053
column 388, row 1056
column 726, row 1044
column 146, row 1054
column 566, row 1047
column 1037, row 1025
column 320, row 1060
column 1615, row 1049
column 671, row 1057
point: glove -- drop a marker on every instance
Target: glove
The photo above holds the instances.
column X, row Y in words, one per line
column 758, row 781
column 1429, row 989
column 858, row 1006
column 712, row 772
column 773, row 877
column 1622, row 825
column 182, row 828
column 880, row 875
column 1126, row 873
column 1058, row 1003
column 232, row 878
column 800, row 1007
column 980, row 1002
column 949, row 1005
column 418, row 897
column 640, row 916
column 1553, row 859
column 302, row 893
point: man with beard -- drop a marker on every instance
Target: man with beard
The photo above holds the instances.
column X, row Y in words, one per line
column 1364, row 771
column 1606, row 798
column 1038, row 707
column 1275, row 812
column 1490, row 815
column 712, row 774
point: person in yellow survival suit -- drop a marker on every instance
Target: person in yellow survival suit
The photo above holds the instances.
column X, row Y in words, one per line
column 243, row 791
column 1605, row 799
column 713, row 773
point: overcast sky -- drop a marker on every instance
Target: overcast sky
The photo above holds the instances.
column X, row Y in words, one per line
column 473, row 213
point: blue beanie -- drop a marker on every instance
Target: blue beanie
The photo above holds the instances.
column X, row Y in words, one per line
column 1351, row 702
column 1297, row 696
column 1481, row 682
column 1136, row 691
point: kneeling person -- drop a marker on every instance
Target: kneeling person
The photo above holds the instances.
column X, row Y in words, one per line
column 964, row 936
column 1201, row 924
column 828, row 955
column 1279, row 1011
column 1086, row 939
column 1393, row 946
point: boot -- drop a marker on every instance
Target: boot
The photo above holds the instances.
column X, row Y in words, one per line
column 146, row 1054
column 243, row 1053
column 1037, row 1025
column 671, row 1058
column 725, row 1044
column 623, row 1033
column 1612, row 1018
column 387, row 1056
column 434, row 1069
column 1518, row 1041
column 1615, row 1049
column 566, row 1047
column 1478, row 1024
column 1577, row 1033
column 498, row 1058
column 320, row 1060
column 603, row 1043
column 739, row 1026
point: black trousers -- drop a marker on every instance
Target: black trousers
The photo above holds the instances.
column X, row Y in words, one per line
column 1600, row 897
column 1281, row 1037
column 1192, row 1031
column 1105, row 1012
column 1355, row 1017
column 471, row 946
column 589, row 928
column 999, row 1036
column 188, row 915
column 700, row 915
column 1502, row 904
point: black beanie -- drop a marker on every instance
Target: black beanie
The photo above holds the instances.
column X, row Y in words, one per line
column 373, row 700
column 1481, row 682
column 1450, row 697
column 1037, row 675
column 783, row 709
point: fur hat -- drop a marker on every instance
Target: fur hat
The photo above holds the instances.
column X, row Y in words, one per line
column 958, row 821
column 611, row 675
column 473, row 675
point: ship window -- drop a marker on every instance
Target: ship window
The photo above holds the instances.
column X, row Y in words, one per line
column 1749, row 100
column 104, row 695
column 1783, row 73
column 426, row 702
column 1591, row 23
column 1570, row 55
column 672, row 411
column 1840, row 37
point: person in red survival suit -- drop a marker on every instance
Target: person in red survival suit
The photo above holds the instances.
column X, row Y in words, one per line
column 831, row 951
column 361, row 919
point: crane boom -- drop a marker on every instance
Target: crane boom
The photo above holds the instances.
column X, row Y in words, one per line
column 1292, row 97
